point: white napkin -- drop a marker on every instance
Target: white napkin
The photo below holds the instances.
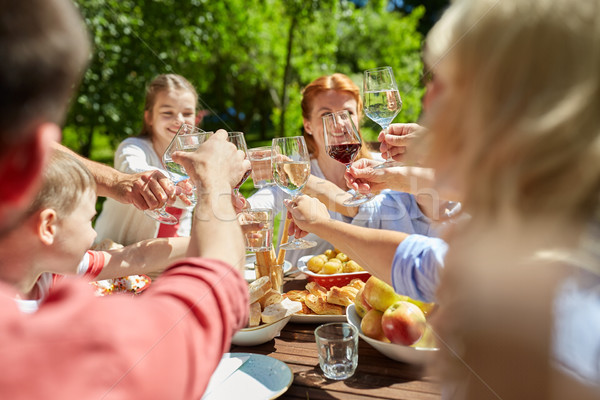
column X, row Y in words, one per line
column 228, row 365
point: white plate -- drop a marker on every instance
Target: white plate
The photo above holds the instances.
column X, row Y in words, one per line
column 398, row 352
column 250, row 274
column 259, row 334
column 260, row 377
column 316, row 319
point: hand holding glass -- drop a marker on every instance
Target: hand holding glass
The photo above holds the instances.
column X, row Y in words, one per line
column 291, row 168
column 381, row 99
column 161, row 214
column 342, row 143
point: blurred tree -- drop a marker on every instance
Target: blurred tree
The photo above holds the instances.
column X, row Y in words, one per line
column 248, row 59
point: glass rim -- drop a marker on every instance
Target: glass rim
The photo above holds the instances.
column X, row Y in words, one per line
column 387, row 67
column 340, row 324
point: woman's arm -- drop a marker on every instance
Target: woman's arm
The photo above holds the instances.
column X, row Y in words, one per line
column 329, row 194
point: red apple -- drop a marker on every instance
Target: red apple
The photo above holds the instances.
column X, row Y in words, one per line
column 403, row 323
column 371, row 325
column 360, row 305
column 379, row 295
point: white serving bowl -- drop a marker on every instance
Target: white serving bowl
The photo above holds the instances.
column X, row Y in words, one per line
column 398, row 352
column 259, row 334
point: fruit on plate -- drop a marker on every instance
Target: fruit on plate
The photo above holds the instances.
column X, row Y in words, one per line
column 372, row 325
column 331, row 262
column 427, row 340
column 379, row 295
column 360, row 305
column 402, row 323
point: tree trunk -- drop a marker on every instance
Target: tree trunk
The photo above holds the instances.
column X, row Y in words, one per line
column 286, row 73
column 86, row 148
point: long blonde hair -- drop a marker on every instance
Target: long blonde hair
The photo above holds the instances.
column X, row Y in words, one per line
column 336, row 82
column 525, row 129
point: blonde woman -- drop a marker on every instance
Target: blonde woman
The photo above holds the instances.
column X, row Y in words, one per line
column 516, row 130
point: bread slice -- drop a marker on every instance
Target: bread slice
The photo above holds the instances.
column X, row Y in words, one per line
column 258, row 288
column 320, row 306
column 254, row 319
column 316, row 289
column 277, row 311
column 271, row 297
column 343, row 296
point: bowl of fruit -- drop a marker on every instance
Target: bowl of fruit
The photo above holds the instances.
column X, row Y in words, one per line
column 332, row 268
column 394, row 325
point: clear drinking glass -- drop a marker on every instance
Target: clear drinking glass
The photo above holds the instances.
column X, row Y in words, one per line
column 291, row 168
column 337, row 344
column 238, row 139
column 161, row 214
column 342, row 143
column 260, row 158
column 381, row 100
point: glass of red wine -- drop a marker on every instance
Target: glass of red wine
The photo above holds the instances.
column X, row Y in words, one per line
column 342, row 143
column 238, row 139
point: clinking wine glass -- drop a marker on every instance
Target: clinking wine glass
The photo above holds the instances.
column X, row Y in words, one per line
column 381, row 100
column 176, row 172
column 190, row 140
column 342, row 143
column 290, row 162
column 237, row 138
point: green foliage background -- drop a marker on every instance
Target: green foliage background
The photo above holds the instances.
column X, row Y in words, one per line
column 248, row 59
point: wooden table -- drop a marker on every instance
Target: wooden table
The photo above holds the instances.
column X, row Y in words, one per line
column 377, row 377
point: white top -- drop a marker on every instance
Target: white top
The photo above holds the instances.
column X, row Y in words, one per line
column 389, row 209
column 123, row 223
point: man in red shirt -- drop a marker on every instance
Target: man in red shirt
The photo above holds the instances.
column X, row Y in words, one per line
column 162, row 345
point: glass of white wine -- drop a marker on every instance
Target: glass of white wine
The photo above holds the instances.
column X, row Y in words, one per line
column 381, row 100
column 290, row 162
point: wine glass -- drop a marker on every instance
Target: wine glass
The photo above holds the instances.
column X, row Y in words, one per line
column 238, row 139
column 176, row 172
column 342, row 143
column 381, row 100
column 290, row 162
column 188, row 140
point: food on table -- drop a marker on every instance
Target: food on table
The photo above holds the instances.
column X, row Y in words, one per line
column 403, row 323
column 278, row 311
column 319, row 305
column 318, row 300
column 390, row 317
column 379, row 295
column 372, row 327
column 332, row 261
column 268, row 305
column 128, row 284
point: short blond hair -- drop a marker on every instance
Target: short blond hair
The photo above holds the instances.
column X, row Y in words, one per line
column 525, row 130
column 65, row 180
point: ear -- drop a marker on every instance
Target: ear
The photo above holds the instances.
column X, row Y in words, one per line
column 22, row 164
column 307, row 126
column 46, row 228
column 148, row 117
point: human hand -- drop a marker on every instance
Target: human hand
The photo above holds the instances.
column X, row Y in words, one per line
column 305, row 213
column 364, row 178
column 216, row 162
column 239, row 202
column 395, row 139
column 145, row 190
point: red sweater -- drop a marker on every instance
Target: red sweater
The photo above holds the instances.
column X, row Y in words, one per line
column 163, row 344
